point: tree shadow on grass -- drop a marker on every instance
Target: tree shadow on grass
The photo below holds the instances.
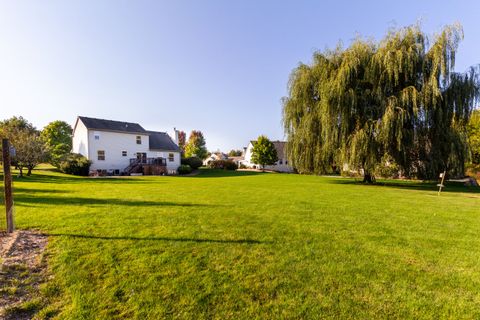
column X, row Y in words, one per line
column 219, row 173
column 66, row 179
column 18, row 190
column 131, row 238
column 451, row 187
column 30, row 200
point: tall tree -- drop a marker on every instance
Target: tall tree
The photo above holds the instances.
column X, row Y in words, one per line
column 235, row 153
column 182, row 137
column 10, row 127
column 30, row 150
column 474, row 137
column 58, row 140
column 398, row 97
column 264, row 152
column 196, row 146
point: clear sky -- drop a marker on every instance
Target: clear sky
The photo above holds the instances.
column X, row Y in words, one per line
column 218, row 66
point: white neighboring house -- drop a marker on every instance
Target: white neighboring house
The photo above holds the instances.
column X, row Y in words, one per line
column 110, row 145
column 281, row 165
column 214, row 157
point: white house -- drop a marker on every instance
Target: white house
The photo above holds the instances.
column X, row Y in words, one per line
column 214, row 157
column 281, row 165
column 112, row 146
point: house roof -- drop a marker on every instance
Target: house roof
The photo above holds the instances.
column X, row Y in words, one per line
column 280, row 147
column 236, row 158
column 162, row 141
column 110, row 125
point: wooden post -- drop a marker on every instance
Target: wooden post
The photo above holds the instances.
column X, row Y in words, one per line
column 7, row 178
column 440, row 186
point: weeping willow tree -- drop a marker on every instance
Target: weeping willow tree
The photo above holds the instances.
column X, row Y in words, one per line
column 398, row 99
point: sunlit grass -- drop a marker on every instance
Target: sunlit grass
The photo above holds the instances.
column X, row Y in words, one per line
column 245, row 245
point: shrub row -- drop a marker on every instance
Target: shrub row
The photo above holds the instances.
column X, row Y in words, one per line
column 193, row 162
column 184, row 169
column 222, row 164
column 75, row 164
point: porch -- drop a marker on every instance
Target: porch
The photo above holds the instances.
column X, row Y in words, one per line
column 147, row 166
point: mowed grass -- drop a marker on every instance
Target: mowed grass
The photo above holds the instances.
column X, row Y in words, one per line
column 239, row 245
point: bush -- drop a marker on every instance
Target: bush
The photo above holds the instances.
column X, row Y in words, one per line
column 222, row 164
column 387, row 168
column 193, row 162
column 75, row 164
column 184, row 169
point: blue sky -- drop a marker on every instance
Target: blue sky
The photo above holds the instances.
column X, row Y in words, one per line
column 218, row 66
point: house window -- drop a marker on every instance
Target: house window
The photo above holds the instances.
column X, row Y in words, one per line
column 124, row 153
column 171, row 157
column 286, row 161
column 280, row 161
column 139, row 139
column 97, row 137
column 101, row 155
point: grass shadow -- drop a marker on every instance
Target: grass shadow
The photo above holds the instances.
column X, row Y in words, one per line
column 19, row 190
column 453, row 187
column 24, row 199
column 219, row 173
column 65, row 179
column 131, row 238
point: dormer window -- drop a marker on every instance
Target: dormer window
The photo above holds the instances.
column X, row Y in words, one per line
column 139, row 139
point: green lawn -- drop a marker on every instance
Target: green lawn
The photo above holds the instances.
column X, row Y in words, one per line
column 254, row 246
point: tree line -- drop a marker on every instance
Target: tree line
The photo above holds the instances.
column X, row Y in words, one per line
column 396, row 102
column 32, row 146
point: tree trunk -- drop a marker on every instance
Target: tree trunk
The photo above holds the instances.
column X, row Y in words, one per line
column 29, row 172
column 20, row 174
column 368, row 178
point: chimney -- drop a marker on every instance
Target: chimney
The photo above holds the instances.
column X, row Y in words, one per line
column 175, row 131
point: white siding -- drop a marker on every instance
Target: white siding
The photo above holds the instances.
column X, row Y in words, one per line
column 248, row 155
column 80, row 139
column 113, row 143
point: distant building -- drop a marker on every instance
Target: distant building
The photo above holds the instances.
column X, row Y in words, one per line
column 237, row 159
column 116, row 147
column 215, row 156
column 281, row 165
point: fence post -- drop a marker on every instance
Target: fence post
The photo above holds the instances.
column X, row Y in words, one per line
column 7, row 178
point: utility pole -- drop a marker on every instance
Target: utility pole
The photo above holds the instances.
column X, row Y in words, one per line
column 7, row 179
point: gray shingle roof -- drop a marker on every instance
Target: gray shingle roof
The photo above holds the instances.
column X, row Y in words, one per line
column 280, row 147
column 110, row 125
column 162, row 141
